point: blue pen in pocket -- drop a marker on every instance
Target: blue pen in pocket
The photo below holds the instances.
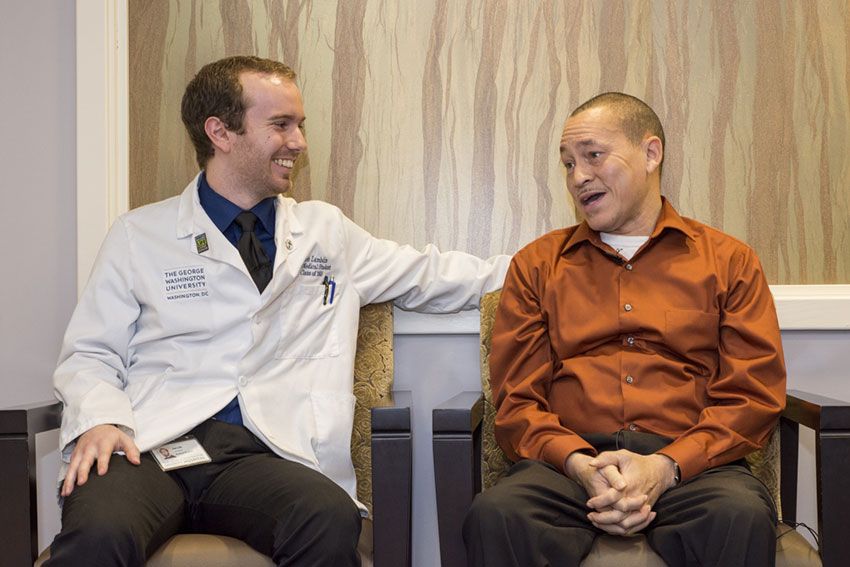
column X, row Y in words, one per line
column 333, row 289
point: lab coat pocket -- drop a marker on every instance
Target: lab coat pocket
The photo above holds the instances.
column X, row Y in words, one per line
column 334, row 414
column 308, row 327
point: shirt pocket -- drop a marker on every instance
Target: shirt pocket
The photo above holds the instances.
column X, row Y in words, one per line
column 334, row 414
column 308, row 323
column 694, row 336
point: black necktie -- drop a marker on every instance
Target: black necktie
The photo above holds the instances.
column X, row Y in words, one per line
column 252, row 251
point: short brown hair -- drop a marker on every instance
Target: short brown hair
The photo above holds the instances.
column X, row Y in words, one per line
column 636, row 117
column 216, row 91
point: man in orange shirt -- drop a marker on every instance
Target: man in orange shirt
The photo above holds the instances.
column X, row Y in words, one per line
column 636, row 360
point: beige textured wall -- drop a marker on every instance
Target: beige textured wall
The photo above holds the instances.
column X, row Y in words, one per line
column 439, row 120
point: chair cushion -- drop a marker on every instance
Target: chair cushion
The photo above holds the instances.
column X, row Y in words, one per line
column 792, row 550
column 622, row 551
column 373, row 381
column 494, row 463
column 205, row 550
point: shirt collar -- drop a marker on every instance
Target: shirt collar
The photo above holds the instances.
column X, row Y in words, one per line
column 668, row 219
column 223, row 212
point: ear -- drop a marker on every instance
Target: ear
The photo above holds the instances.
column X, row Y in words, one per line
column 654, row 151
column 219, row 135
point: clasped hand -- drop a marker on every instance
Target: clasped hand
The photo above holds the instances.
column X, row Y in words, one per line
column 623, row 487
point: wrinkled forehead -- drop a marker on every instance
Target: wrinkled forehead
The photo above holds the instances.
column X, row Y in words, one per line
column 595, row 126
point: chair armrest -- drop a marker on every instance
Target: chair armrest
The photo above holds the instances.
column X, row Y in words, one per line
column 29, row 419
column 817, row 412
column 392, row 480
column 392, row 413
column 457, row 469
column 461, row 414
column 830, row 420
column 18, row 495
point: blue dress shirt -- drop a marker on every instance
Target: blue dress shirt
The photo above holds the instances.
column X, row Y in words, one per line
column 223, row 213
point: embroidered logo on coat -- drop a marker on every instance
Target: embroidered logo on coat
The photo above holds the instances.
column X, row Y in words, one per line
column 315, row 265
column 188, row 282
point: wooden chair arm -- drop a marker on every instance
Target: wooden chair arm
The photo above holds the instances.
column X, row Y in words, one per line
column 457, row 469
column 18, row 495
column 392, row 480
column 830, row 420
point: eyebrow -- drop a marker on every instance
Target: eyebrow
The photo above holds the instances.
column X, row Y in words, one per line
column 277, row 117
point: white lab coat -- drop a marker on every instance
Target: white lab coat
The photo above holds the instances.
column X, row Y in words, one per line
column 166, row 333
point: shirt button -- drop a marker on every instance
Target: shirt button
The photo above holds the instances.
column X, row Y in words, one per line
column 629, row 379
column 629, row 267
column 627, row 306
column 243, row 380
column 632, row 427
column 631, row 341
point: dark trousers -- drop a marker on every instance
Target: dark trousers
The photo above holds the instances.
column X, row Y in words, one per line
column 536, row 516
column 283, row 509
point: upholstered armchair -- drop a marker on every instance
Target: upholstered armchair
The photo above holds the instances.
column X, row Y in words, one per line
column 380, row 446
column 468, row 460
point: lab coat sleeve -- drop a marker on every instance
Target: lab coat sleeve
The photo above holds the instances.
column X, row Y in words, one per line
column 92, row 369
column 429, row 281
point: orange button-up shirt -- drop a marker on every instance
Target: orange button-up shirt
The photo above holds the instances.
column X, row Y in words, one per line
column 681, row 341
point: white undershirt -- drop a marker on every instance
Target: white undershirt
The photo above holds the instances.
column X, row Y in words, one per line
column 626, row 246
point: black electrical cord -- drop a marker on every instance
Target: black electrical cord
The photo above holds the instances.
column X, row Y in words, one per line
column 795, row 525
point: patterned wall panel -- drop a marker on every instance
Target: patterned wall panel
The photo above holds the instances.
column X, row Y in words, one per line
column 439, row 120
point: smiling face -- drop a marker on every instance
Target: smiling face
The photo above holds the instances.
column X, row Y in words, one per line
column 255, row 161
column 262, row 157
column 614, row 182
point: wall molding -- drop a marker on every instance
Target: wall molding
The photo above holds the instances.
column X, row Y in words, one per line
column 102, row 125
column 799, row 307
column 103, row 178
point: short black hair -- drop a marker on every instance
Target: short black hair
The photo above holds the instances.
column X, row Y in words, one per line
column 636, row 117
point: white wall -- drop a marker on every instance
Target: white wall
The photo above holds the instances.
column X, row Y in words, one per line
column 38, row 219
column 38, row 211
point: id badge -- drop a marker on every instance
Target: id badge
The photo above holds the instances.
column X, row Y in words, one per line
column 184, row 452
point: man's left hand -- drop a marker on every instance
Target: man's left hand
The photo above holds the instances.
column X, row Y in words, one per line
column 647, row 478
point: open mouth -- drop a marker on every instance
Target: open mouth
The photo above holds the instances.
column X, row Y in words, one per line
column 288, row 163
column 590, row 198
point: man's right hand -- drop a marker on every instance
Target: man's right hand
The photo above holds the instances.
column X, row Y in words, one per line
column 615, row 511
column 97, row 444
column 604, row 483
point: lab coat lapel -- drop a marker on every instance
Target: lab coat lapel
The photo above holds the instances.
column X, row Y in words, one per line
column 193, row 223
column 288, row 237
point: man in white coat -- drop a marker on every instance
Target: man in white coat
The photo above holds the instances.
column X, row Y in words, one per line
column 221, row 326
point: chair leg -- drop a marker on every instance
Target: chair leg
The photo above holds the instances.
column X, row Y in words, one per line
column 458, row 481
column 789, row 441
column 19, row 534
column 833, row 462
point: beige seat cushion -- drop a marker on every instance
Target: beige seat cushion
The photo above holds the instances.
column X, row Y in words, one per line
column 203, row 550
column 792, row 550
